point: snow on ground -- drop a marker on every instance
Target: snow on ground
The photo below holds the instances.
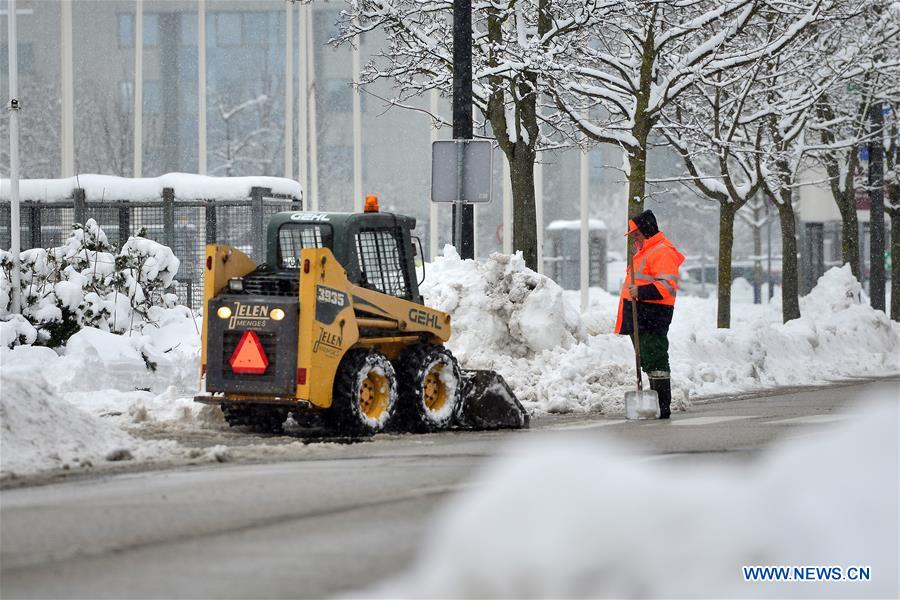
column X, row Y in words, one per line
column 78, row 403
column 507, row 318
column 603, row 523
column 42, row 430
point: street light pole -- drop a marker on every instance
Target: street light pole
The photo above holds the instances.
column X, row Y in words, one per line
column 15, row 231
column 463, row 214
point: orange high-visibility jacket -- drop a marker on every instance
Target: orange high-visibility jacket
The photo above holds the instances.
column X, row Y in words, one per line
column 656, row 267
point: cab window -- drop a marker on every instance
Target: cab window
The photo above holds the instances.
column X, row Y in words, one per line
column 294, row 237
column 381, row 261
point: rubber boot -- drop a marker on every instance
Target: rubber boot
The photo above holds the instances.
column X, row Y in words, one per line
column 663, row 389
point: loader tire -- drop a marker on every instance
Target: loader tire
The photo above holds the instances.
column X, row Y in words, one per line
column 365, row 394
column 430, row 387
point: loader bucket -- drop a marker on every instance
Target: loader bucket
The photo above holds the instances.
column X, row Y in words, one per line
column 489, row 403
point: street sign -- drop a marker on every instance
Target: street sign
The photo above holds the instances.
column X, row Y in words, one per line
column 461, row 171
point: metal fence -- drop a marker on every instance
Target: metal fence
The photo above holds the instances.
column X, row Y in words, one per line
column 186, row 226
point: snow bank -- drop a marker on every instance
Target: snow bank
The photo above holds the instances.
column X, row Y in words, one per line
column 186, row 186
column 508, row 318
column 603, row 523
column 40, row 430
column 838, row 335
column 500, row 307
column 134, row 380
column 75, row 405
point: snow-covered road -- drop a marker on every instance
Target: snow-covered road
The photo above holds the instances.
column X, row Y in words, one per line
column 335, row 518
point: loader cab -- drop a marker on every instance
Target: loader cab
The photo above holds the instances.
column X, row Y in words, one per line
column 376, row 249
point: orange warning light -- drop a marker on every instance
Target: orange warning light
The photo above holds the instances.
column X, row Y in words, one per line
column 371, row 203
column 249, row 357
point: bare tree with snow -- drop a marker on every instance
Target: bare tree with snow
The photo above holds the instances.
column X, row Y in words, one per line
column 514, row 43
column 865, row 52
column 709, row 128
column 237, row 133
column 647, row 53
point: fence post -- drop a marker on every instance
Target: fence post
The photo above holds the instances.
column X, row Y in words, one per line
column 36, row 241
column 258, row 221
column 79, row 208
column 211, row 221
column 169, row 217
column 124, row 225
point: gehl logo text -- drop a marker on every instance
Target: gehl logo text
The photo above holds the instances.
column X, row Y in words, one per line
column 249, row 315
column 424, row 318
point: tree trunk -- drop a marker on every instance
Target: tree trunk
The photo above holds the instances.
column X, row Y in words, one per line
column 637, row 177
column 521, row 175
column 637, row 185
column 895, row 259
column 850, row 237
column 726, row 243
column 790, row 292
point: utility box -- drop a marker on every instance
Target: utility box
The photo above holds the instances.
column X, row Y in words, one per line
column 562, row 253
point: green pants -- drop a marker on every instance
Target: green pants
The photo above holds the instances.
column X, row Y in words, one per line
column 654, row 352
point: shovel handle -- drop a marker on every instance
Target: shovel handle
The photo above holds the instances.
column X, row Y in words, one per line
column 634, row 321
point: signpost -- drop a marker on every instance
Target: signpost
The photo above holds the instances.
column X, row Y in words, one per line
column 13, row 107
column 461, row 173
column 463, row 215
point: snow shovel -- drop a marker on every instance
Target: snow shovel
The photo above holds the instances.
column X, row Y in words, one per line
column 641, row 403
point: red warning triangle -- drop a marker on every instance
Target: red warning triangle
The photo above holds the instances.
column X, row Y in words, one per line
column 249, row 356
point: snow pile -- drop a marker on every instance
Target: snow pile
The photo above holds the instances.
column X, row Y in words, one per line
column 507, row 318
column 40, row 430
column 500, row 307
column 187, row 187
column 84, row 283
column 838, row 335
column 163, row 357
column 623, row 527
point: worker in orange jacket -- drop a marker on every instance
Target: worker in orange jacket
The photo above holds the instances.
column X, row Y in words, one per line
column 655, row 266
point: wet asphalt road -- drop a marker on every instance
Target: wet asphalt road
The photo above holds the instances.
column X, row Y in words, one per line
column 324, row 519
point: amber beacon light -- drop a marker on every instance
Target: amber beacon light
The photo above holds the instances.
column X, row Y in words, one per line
column 371, row 204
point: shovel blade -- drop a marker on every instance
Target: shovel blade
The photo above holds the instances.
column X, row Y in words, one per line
column 642, row 404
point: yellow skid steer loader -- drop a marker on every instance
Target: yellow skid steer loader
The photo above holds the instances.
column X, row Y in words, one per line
column 332, row 323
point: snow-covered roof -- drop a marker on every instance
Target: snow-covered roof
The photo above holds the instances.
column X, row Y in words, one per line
column 186, row 186
column 592, row 224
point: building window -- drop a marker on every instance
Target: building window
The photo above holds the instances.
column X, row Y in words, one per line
column 126, row 96
column 337, row 161
column 152, row 100
column 126, row 30
column 25, row 56
column 228, row 29
column 256, row 28
column 189, row 30
column 151, row 31
column 338, row 95
column 326, row 21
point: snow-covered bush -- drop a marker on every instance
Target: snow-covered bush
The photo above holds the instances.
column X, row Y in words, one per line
column 84, row 283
